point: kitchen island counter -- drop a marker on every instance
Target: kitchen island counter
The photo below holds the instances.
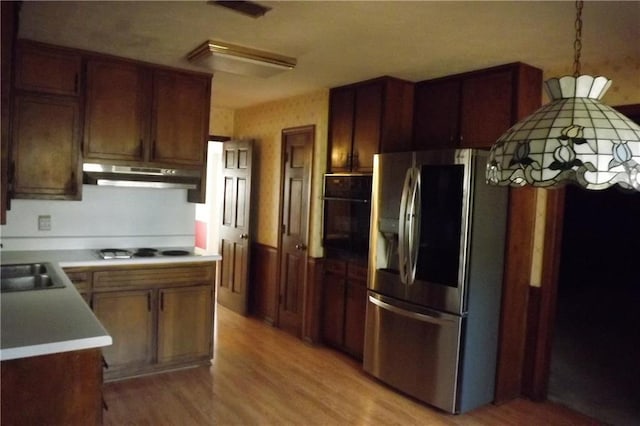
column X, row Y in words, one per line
column 41, row 322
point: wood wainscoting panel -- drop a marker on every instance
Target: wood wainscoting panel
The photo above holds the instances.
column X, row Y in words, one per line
column 263, row 290
column 263, row 284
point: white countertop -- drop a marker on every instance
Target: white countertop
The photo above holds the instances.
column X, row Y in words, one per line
column 41, row 322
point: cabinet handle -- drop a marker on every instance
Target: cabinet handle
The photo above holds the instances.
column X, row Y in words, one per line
column 75, row 84
column 105, row 364
column 140, row 149
column 149, row 302
column 162, row 301
column 104, row 405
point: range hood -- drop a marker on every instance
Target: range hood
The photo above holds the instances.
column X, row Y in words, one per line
column 141, row 177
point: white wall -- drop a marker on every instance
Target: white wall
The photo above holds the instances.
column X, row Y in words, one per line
column 210, row 212
column 106, row 217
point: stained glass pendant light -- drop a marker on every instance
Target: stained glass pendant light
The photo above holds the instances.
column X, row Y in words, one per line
column 575, row 138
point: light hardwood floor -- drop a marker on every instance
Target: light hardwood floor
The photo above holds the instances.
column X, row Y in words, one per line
column 263, row 376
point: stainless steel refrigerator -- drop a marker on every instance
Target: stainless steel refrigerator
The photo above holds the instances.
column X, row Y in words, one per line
column 435, row 277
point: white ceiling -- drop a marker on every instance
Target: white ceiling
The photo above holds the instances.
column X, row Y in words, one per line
column 341, row 42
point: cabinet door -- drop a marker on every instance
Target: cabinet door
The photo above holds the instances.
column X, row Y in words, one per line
column 128, row 318
column 180, row 118
column 367, row 126
column 56, row 389
column 354, row 317
column 341, row 129
column 46, row 70
column 355, row 309
column 486, row 108
column 115, row 115
column 333, row 292
column 437, row 107
column 8, row 27
column 46, row 147
column 185, row 323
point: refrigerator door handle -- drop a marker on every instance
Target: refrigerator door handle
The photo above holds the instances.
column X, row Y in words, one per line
column 409, row 226
column 402, row 227
column 410, row 314
column 413, row 225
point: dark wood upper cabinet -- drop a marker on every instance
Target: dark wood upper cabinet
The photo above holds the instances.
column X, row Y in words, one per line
column 9, row 27
column 472, row 110
column 116, row 118
column 341, row 112
column 437, row 114
column 367, row 118
column 180, row 119
column 46, row 148
column 46, row 123
column 486, row 108
column 135, row 113
column 367, row 126
column 48, row 70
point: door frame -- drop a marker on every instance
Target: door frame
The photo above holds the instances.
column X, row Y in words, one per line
column 541, row 312
column 305, row 283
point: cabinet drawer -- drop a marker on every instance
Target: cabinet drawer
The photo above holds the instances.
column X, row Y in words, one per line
column 335, row 266
column 81, row 278
column 157, row 276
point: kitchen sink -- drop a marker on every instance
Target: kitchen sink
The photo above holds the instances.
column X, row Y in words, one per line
column 27, row 276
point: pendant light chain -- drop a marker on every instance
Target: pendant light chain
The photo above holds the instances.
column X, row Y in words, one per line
column 577, row 44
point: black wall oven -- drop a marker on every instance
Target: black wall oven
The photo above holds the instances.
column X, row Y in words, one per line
column 347, row 211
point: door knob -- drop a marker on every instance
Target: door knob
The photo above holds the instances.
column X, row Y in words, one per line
column 301, row 247
column 244, row 236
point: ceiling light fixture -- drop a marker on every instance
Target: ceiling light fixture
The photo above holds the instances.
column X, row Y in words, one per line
column 222, row 56
column 575, row 138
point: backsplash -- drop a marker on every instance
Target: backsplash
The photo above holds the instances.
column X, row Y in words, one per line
column 106, row 217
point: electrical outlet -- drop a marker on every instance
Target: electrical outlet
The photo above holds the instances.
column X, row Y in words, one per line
column 44, row 223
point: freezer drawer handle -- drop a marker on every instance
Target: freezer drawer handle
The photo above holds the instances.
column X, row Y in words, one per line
column 409, row 314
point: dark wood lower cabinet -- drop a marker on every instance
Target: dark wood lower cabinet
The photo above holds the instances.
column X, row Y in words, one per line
column 333, row 302
column 344, row 302
column 184, row 324
column 128, row 318
column 57, row 389
column 160, row 317
column 354, row 316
